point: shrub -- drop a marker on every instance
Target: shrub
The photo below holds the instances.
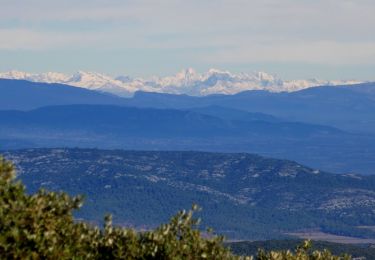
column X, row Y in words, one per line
column 41, row 226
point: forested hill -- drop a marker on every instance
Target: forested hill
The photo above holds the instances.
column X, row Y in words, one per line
column 242, row 195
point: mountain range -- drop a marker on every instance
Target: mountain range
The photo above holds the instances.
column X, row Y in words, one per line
column 108, row 126
column 349, row 107
column 187, row 81
column 331, row 128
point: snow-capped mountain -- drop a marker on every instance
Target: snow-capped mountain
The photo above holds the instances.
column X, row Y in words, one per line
column 187, row 81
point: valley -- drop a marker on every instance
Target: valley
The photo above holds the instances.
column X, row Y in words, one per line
column 198, row 130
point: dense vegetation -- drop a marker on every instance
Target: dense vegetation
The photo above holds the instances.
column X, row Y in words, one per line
column 41, row 226
column 252, row 247
column 244, row 196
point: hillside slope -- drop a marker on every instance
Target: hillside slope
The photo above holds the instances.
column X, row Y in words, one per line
column 167, row 129
column 26, row 95
column 242, row 195
column 350, row 108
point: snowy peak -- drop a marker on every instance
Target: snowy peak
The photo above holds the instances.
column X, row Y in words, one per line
column 187, row 81
column 185, row 77
column 92, row 80
column 14, row 74
column 48, row 77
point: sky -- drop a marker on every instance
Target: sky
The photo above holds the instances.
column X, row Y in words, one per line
column 326, row 39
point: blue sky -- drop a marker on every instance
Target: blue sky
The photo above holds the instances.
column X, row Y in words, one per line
column 327, row 39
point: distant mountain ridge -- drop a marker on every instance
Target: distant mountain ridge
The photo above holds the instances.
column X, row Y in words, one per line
column 26, row 95
column 295, row 125
column 220, row 129
column 147, row 122
column 349, row 107
column 187, row 81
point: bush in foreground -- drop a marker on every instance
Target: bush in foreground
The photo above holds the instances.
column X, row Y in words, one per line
column 41, row 226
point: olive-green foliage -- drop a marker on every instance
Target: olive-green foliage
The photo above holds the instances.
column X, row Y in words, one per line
column 41, row 226
column 301, row 253
column 252, row 247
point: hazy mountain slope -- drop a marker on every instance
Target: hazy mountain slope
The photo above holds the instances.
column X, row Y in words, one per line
column 233, row 128
column 165, row 129
column 243, row 195
column 348, row 108
column 234, row 114
column 25, row 95
column 147, row 122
